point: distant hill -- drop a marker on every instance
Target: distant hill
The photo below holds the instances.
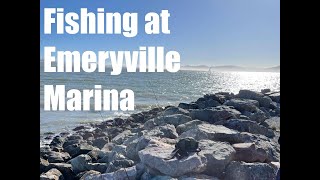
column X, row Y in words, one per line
column 230, row 68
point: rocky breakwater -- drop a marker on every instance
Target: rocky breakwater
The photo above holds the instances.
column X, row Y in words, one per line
column 237, row 135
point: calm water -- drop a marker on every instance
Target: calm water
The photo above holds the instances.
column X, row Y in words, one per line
column 167, row 88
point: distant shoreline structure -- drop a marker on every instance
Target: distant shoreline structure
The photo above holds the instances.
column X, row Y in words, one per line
column 229, row 68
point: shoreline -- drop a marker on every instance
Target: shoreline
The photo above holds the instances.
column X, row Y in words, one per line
column 234, row 131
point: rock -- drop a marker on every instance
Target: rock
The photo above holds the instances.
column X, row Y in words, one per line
column 245, row 171
column 57, row 141
column 247, row 126
column 188, row 106
column 275, row 97
column 43, row 165
column 198, row 177
column 217, row 154
column 265, row 101
column 100, row 167
column 154, row 159
column 87, row 135
column 168, row 131
column 117, row 162
column 77, row 149
column 175, row 110
column 80, row 163
column 248, row 152
column 272, row 123
column 216, row 97
column 65, row 169
column 119, row 149
column 136, row 145
column 187, row 126
column 129, row 173
column 214, row 132
column 100, row 142
column 78, row 128
column 202, row 104
column 175, row 120
column 96, row 154
column 58, row 157
column 264, row 91
column 120, row 138
column 243, row 104
column 90, row 175
column 161, row 178
column 52, row 174
column 248, row 94
column 215, row 114
column 258, row 116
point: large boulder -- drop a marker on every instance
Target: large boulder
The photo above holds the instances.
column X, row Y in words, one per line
column 100, row 142
column 154, row 159
column 188, row 106
column 90, row 175
column 52, row 174
column 58, row 157
column 214, row 132
column 250, row 171
column 248, row 94
column 189, row 125
column 168, row 131
column 175, row 110
column 121, row 137
column 243, row 104
column 247, row 126
column 43, row 165
column 248, row 152
column 64, row 168
column 175, row 120
column 275, row 97
column 215, row 114
column 77, row 149
column 129, row 173
column 217, row 156
column 258, row 116
column 272, row 123
column 80, row 163
column 198, row 177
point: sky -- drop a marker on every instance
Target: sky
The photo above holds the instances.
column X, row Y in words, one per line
column 206, row 32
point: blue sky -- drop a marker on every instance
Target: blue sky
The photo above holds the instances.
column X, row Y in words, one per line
column 210, row 32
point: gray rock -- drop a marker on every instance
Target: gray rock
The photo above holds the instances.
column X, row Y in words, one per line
column 198, row 177
column 100, row 142
column 175, row 120
column 215, row 133
column 43, row 165
column 52, row 174
column 245, row 171
column 129, row 173
column 247, row 126
column 187, row 126
column 188, row 106
column 154, row 159
column 100, row 167
column 58, row 157
column 80, row 163
column 168, row 131
column 57, row 141
column 65, row 169
column 117, row 162
column 243, row 104
column 248, row 152
column 162, row 178
column 264, row 101
column 97, row 154
column 175, row 110
column 275, row 97
column 264, row 91
column 216, row 97
column 272, row 123
column 215, row 114
column 248, row 94
column 207, row 103
column 120, row 138
column 90, row 175
column 217, row 156
column 258, row 116
column 77, row 149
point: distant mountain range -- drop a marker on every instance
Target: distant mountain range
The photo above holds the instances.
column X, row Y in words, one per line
column 230, row 68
